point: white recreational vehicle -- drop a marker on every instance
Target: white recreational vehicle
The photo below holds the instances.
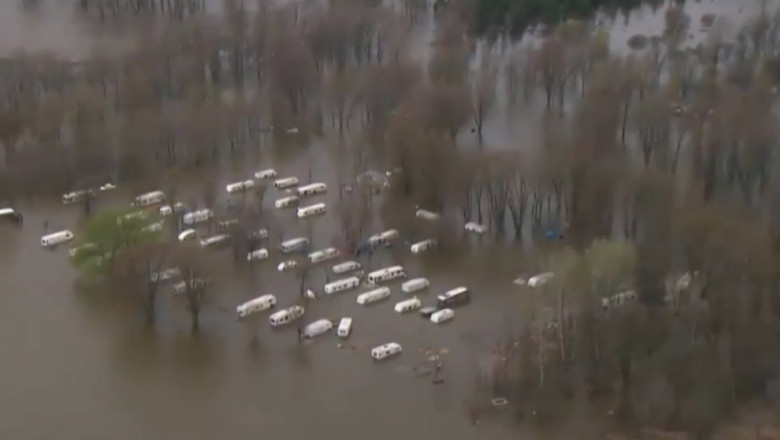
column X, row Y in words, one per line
column 317, row 328
column 426, row 215
column 408, row 305
column 286, row 266
column 293, row 244
column 76, row 196
column 373, row 296
column 242, row 186
column 269, row 173
column 442, row 316
column 345, row 327
column 256, row 305
column 286, row 202
column 454, row 297
column 52, row 240
column 11, row 214
column 167, row 210
column 342, row 285
column 287, row 182
column 541, row 279
column 385, row 351
column 386, row 274
column 383, row 238
column 257, row 255
column 415, row 285
column 150, row 198
column 347, row 266
column 422, row 246
column 323, row 255
column 286, row 316
column 312, row 189
column 199, row 216
column 188, row 234
column 475, row 228
column 312, row 210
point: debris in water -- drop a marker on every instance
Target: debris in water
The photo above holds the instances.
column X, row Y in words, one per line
column 499, row 402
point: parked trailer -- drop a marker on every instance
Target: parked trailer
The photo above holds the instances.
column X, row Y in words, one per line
column 408, row 305
column 76, row 196
column 312, row 210
column 167, row 210
column 50, row 241
column 454, row 297
column 286, row 202
column 475, row 228
column 148, row 199
column 317, row 328
column 385, row 351
column 323, row 255
column 199, row 216
column 415, row 285
column 259, row 304
column 383, row 238
column 180, row 288
column 11, row 214
column 238, row 187
column 269, row 173
column 541, row 279
column 426, row 215
column 373, row 296
column 442, row 316
column 312, row 189
column 286, row 316
column 286, row 266
column 188, row 234
column 345, row 327
column 347, row 266
column 257, row 255
column 342, row 285
column 293, row 244
column 387, row 274
column 287, row 182
column 422, row 246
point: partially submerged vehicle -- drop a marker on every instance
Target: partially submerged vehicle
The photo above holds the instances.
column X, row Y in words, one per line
column 385, row 351
column 256, row 305
column 12, row 215
column 317, row 328
column 50, row 241
column 286, row 316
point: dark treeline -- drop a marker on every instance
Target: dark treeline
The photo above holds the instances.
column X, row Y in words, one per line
column 657, row 167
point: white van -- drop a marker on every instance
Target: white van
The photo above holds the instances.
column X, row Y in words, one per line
column 258, row 304
column 323, row 254
column 415, row 285
column 347, row 266
column 311, row 210
column 286, row 202
column 541, row 279
column 373, row 296
column 215, row 241
column 269, row 173
column 287, row 182
column 199, row 216
column 475, row 228
column 426, row 215
column 150, row 198
column 442, row 316
column 239, row 186
column 383, row 237
column 293, row 244
column 408, row 305
column 387, row 274
column 317, row 328
column 188, row 234
column 75, row 196
column 286, row 266
column 286, row 316
column 385, row 351
column 257, row 255
column 342, row 285
column 422, row 246
column 312, row 189
column 52, row 240
column 345, row 327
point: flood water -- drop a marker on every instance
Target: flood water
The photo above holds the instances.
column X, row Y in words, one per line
column 78, row 364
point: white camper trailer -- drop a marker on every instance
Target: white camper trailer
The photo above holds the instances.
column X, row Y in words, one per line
column 541, row 279
column 415, row 285
column 323, row 255
column 257, row 255
column 238, row 187
column 312, row 210
column 454, row 297
column 188, row 234
column 199, row 216
column 293, row 244
column 373, row 296
column 345, row 327
column 426, row 215
column 383, row 238
column 256, row 305
column 286, row 316
column 442, row 316
column 269, row 173
column 385, row 351
column 408, row 305
column 148, row 199
column 287, row 182
column 475, row 228
column 317, row 328
column 76, row 196
column 286, row 202
column 387, row 274
column 342, row 285
column 287, row 266
column 11, row 214
column 167, row 210
column 312, row 189
column 422, row 246
column 52, row 240
column 347, row 266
